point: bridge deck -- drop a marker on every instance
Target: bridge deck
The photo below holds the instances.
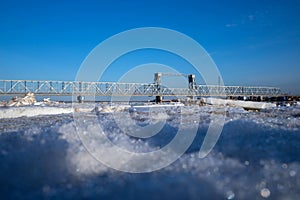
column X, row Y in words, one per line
column 59, row 88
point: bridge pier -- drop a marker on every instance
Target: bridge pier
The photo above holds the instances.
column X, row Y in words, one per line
column 80, row 99
column 158, row 99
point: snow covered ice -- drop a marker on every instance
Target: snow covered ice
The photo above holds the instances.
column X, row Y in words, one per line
column 256, row 157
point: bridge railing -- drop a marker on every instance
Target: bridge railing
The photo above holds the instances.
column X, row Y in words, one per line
column 13, row 87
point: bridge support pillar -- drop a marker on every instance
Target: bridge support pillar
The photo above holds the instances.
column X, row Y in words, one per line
column 80, row 99
column 158, row 99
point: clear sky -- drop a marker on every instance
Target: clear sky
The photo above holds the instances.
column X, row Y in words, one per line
column 251, row 42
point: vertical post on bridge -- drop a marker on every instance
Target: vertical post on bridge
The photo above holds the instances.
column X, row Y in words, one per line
column 191, row 81
column 157, row 82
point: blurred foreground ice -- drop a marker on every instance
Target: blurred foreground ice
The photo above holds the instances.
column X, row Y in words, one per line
column 256, row 157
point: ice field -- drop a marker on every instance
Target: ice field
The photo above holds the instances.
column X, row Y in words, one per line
column 256, row 157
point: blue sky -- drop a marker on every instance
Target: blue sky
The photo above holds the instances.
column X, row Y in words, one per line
column 251, row 42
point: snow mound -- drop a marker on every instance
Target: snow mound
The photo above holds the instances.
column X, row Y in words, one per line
column 237, row 103
column 30, row 111
column 27, row 99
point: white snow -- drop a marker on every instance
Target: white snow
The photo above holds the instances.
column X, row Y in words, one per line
column 30, row 111
column 158, row 105
column 257, row 155
column 238, row 103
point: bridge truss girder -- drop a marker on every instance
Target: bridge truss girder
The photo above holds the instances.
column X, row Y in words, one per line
column 15, row 87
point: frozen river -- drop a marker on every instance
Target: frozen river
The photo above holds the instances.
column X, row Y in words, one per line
column 256, row 157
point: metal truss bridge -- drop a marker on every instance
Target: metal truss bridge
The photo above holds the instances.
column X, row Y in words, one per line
column 78, row 88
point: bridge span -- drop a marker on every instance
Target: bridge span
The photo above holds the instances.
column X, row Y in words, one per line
column 82, row 88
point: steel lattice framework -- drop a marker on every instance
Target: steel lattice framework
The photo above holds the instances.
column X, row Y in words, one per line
column 14, row 87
